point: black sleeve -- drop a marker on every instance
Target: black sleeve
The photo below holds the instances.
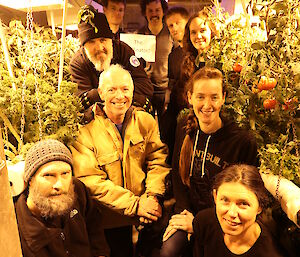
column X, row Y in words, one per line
column 142, row 84
column 171, row 77
column 82, row 75
column 93, row 219
column 203, row 220
column 180, row 190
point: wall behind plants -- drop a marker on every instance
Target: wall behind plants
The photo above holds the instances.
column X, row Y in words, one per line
column 35, row 59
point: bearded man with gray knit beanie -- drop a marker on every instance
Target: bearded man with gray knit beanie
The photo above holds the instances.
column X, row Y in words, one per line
column 56, row 215
column 99, row 50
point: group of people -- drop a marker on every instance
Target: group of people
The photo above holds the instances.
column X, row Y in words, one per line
column 84, row 199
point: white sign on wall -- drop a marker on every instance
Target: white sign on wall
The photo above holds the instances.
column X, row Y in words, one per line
column 143, row 45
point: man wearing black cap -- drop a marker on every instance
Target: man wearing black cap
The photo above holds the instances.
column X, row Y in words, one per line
column 97, row 52
column 56, row 215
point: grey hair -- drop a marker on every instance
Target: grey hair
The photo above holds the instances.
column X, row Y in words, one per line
column 114, row 68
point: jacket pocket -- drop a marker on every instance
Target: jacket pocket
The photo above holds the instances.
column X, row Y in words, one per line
column 111, row 165
column 137, row 146
column 106, row 159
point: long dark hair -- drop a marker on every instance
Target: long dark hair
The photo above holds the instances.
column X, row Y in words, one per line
column 192, row 121
column 188, row 65
column 246, row 175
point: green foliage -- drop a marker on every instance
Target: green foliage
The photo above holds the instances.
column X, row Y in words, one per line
column 278, row 56
column 35, row 57
column 281, row 155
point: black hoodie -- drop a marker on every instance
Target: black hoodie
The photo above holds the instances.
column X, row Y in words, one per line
column 229, row 145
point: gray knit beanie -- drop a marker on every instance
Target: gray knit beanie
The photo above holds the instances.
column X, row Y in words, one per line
column 43, row 152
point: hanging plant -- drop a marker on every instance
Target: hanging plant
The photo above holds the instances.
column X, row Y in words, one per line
column 35, row 57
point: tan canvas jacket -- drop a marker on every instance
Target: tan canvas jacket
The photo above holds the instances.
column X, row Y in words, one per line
column 118, row 171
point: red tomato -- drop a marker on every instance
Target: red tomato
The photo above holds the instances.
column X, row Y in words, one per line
column 271, row 83
column 262, row 83
column 269, row 104
column 266, row 83
column 237, row 67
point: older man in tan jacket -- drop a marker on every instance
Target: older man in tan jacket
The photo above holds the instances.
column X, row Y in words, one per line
column 121, row 159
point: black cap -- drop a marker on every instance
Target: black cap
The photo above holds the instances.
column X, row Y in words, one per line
column 95, row 27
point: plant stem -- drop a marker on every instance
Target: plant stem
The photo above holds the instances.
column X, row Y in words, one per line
column 10, row 126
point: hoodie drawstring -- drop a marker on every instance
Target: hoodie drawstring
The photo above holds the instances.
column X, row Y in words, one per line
column 204, row 157
column 194, row 151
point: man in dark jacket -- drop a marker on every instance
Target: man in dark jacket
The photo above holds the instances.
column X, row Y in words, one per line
column 98, row 50
column 176, row 19
column 56, row 215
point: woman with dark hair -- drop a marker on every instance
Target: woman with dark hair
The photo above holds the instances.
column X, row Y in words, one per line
column 205, row 144
column 199, row 31
column 232, row 227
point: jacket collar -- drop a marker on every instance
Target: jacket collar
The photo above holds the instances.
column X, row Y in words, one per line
column 98, row 111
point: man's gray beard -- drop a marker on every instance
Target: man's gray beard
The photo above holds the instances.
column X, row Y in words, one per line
column 100, row 65
column 52, row 206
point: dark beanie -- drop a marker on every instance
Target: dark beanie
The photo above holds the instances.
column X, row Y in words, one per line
column 101, row 29
column 43, row 152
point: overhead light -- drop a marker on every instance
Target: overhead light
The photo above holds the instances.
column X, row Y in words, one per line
column 21, row 4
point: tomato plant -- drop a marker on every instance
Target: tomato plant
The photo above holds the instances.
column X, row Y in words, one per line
column 290, row 104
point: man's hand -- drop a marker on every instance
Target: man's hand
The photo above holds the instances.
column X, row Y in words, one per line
column 182, row 221
column 149, row 209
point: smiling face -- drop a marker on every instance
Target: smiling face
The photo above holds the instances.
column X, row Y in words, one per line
column 207, row 99
column 114, row 12
column 154, row 13
column 236, row 208
column 100, row 52
column 51, row 191
column 200, row 34
column 116, row 90
column 176, row 24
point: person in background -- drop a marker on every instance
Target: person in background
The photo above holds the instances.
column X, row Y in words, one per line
column 154, row 11
column 198, row 34
column 176, row 19
column 56, row 215
column 121, row 159
column 98, row 50
column 206, row 143
column 114, row 11
column 233, row 227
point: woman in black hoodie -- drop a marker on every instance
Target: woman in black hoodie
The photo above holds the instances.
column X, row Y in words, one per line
column 205, row 144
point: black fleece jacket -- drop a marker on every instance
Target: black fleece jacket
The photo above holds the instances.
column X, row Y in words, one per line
column 79, row 233
column 86, row 76
column 229, row 145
